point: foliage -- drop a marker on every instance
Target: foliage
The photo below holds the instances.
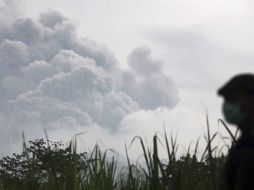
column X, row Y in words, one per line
column 39, row 162
column 48, row 165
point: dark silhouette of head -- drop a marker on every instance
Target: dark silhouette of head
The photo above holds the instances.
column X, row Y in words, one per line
column 238, row 106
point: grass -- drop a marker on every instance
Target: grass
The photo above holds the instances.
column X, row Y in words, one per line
column 100, row 172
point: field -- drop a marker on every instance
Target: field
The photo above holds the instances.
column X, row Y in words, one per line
column 49, row 165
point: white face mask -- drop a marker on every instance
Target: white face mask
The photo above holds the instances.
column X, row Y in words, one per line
column 233, row 113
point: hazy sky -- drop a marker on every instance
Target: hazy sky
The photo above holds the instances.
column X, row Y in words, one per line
column 118, row 68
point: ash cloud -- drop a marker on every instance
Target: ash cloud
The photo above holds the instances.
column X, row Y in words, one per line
column 146, row 83
column 53, row 78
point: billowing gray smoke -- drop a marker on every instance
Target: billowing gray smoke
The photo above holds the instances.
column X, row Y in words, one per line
column 53, row 78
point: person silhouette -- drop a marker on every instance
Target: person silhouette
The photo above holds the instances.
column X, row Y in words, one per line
column 238, row 109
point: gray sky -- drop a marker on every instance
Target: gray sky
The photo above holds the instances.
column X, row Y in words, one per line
column 119, row 68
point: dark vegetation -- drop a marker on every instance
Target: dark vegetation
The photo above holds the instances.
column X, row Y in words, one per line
column 51, row 165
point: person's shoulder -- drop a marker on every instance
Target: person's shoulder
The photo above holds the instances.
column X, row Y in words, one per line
column 246, row 142
column 246, row 154
column 246, row 149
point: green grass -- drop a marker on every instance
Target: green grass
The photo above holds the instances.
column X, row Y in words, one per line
column 191, row 171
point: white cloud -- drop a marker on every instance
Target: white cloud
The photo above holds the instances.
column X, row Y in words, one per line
column 14, row 55
column 53, row 17
column 10, row 9
column 146, row 83
column 53, row 78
